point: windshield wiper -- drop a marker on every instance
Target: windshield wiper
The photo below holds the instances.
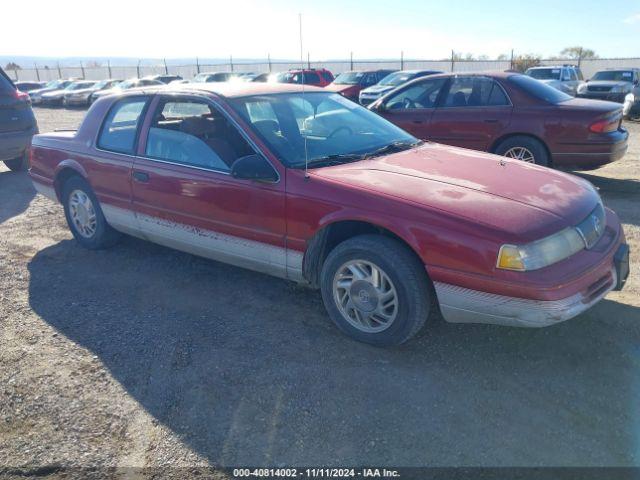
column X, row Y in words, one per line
column 335, row 159
column 393, row 148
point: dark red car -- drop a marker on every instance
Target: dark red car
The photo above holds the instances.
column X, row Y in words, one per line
column 318, row 77
column 350, row 84
column 509, row 114
column 317, row 189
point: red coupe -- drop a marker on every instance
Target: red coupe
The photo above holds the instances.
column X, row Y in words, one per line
column 509, row 114
column 317, row 189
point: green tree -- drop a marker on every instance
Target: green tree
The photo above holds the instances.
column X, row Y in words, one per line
column 575, row 53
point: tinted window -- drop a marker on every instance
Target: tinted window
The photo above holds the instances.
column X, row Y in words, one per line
column 119, row 129
column 5, row 82
column 191, row 132
column 328, row 77
column 420, row 95
column 538, row 89
column 475, row 92
column 311, row 78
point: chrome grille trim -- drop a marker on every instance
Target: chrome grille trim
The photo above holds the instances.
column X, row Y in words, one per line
column 592, row 227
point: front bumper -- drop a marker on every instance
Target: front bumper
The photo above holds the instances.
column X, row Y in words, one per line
column 77, row 100
column 617, row 97
column 596, row 272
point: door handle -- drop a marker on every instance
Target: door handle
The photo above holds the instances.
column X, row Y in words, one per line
column 417, row 122
column 491, row 120
column 141, row 177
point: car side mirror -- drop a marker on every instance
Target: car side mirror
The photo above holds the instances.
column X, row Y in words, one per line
column 254, row 167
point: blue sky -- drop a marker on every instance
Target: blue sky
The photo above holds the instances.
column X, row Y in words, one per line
column 332, row 28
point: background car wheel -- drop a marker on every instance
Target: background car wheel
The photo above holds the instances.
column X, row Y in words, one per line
column 525, row 149
column 84, row 215
column 19, row 164
column 376, row 290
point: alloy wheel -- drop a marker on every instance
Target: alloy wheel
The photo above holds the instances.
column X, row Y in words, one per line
column 520, row 153
column 365, row 296
column 83, row 213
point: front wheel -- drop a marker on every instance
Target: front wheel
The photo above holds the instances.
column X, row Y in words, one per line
column 525, row 149
column 376, row 290
column 84, row 215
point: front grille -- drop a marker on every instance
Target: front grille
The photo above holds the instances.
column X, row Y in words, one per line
column 592, row 227
column 597, row 88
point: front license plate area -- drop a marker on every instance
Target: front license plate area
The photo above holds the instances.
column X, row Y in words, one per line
column 621, row 263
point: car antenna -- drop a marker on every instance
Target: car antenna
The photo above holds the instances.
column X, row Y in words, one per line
column 306, row 151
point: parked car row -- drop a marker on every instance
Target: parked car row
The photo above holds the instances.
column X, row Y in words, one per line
column 304, row 184
column 615, row 85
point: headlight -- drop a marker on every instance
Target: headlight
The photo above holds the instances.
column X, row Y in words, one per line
column 629, row 98
column 619, row 89
column 582, row 88
column 541, row 253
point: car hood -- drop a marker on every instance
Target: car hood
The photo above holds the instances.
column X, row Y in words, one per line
column 524, row 200
column 378, row 89
column 339, row 88
column 41, row 91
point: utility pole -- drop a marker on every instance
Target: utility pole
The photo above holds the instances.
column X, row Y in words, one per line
column 109, row 68
column 231, row 62
column 37, row 71
column 138, row 69
column 308, row 61
column 401, row 60
column 511, row 63
column 59, row 71
column 82, row 69
column 351, row 62
column 453, row 54
column 166, row 69
column 269, row 61
column 197, row 65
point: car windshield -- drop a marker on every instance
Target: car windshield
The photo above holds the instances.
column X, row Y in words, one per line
column 128, row 84
column 395, row 79
column 201, row 77
column 349, row 78
column 54, row 84
column 544, row 73
column 614, row 75
column 323, row 127
column 538, row 89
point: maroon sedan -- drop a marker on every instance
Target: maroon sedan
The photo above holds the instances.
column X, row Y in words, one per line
column 509, row 114
column 309, row 186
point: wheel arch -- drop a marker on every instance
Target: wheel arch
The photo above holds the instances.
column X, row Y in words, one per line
column 64, row 171
column 332, row 234
column 499, row 140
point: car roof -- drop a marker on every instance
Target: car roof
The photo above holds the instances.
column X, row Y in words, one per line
column 228, row 89
column 483, row 73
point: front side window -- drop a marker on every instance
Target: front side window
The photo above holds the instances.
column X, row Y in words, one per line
column 475, row 92
column 318, row 126
column 194, row 133
column 118, row 132
column 420, row 95
column 349, row 78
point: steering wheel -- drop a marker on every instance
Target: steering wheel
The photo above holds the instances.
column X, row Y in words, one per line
column 408, row 103
column 339, row 129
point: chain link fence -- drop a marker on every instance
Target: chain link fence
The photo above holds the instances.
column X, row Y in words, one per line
column 46, row 73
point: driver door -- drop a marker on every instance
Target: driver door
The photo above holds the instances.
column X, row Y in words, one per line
column 412, row 107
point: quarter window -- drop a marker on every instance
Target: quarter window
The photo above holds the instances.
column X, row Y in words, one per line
column 193, row 133
column 118, row 133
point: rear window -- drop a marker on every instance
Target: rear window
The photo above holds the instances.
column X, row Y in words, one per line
column 538, row 89
column 5, row 82
column 118, row 133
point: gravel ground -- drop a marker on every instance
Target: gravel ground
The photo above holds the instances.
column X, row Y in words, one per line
column 143, row 356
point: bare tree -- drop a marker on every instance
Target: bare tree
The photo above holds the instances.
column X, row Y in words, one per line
column 576, row 53
column 528, row 60
column 12, row 66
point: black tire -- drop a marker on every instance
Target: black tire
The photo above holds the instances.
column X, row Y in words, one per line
column 104, row 236
column 540, row 154
column 407, row 273
column 19, row 164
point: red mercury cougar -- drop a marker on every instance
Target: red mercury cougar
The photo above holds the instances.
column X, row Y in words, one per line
column 308, row 186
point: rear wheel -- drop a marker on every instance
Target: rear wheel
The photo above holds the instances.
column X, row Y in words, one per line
column 376, row 290
column 19, row 164
column 525, row 149
column 84, row 215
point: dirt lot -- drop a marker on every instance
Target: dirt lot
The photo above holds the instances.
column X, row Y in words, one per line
column 143, row 356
